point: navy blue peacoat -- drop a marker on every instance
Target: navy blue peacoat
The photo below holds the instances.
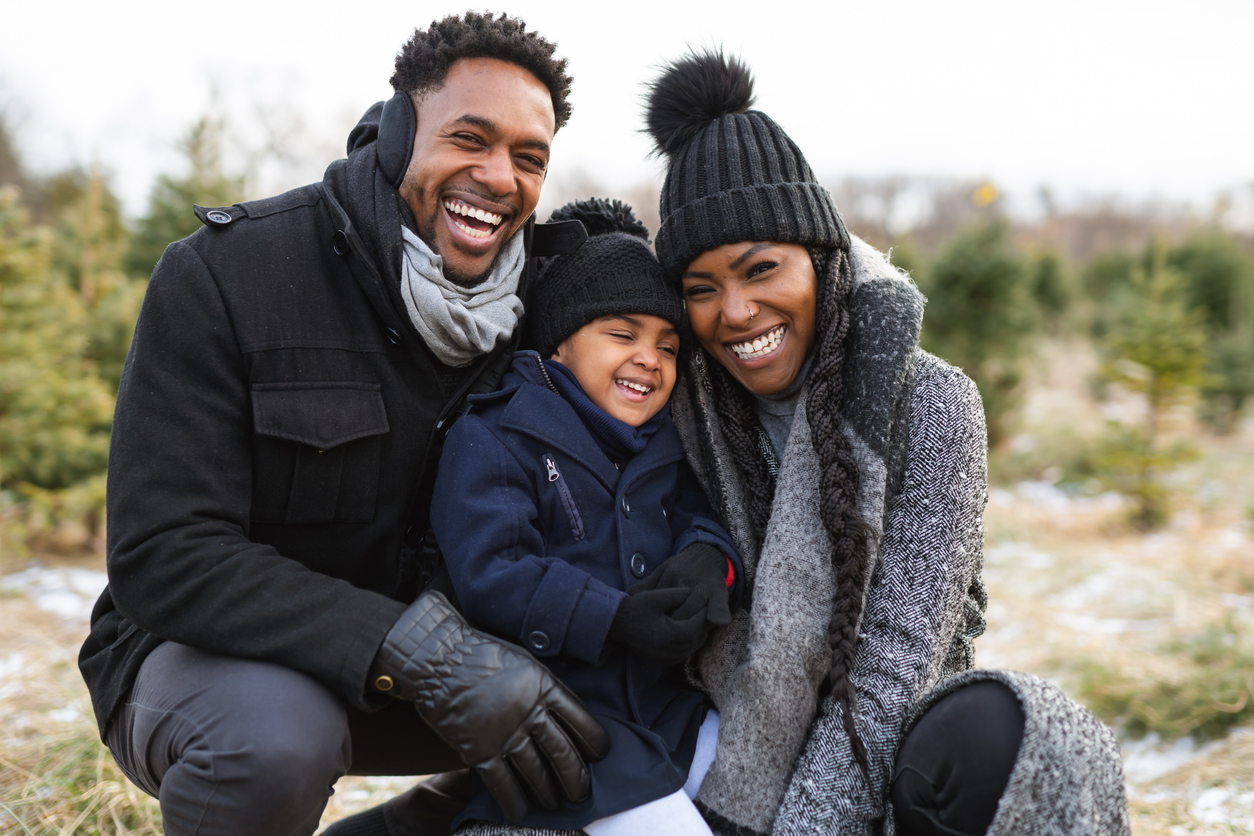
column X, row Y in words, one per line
column 542, row 534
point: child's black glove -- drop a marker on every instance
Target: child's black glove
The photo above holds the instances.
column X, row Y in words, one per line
column 702, row 570
column 668, row 614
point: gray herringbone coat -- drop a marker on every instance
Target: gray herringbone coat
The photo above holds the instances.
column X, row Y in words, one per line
column 917, row 427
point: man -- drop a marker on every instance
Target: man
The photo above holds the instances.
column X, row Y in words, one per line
column 295, row 368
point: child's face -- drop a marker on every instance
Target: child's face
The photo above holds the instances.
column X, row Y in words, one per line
column 625, row 363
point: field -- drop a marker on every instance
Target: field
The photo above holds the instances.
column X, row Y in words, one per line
column 1153, row 631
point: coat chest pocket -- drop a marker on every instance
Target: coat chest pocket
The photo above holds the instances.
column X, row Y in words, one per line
column 316, row 451
column 563, row 490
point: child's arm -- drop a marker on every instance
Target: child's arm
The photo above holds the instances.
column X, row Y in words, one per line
column 484, row 516
column 694, row 521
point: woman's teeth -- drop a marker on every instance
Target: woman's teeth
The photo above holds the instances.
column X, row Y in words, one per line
column 760, row 347
column 635, row 386
column 456, row 207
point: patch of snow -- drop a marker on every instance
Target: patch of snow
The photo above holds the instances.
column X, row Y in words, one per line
column 1233, row 538
column 1045, row 495
column 69, row 714
column 67, row 593
column 10, row 665
column 1147, row 759
column 1012, row 553
column 1112, row 626
column 1221, row 805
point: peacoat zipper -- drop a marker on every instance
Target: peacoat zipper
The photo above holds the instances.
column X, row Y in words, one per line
column 568, row 501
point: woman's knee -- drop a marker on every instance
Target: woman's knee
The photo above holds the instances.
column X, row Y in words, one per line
column 956, row 762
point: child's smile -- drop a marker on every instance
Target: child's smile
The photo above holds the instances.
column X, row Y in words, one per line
column 625, row 364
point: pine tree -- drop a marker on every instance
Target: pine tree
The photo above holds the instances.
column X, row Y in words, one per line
column 170, row 215
column 1156, row 347
column 1218, row 279
column 981, row 316
column 55, row 412
column 90, row 244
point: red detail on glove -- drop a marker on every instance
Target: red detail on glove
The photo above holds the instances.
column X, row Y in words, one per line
column 731, row 572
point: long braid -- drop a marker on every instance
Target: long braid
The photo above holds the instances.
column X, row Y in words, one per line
column 838, row 481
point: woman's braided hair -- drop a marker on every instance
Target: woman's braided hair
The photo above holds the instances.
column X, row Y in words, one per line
column 838, row 479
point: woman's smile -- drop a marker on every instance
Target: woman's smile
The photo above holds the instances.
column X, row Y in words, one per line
column 760, row 347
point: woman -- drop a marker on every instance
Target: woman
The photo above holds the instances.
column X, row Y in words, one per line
column 849, row 467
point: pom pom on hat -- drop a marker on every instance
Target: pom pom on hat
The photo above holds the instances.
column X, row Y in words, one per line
column 600, row 216
column 694, row 91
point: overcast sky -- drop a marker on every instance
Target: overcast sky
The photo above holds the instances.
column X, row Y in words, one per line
column 1141, row 99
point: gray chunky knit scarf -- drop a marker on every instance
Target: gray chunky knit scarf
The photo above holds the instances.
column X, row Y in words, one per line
column 460, row 324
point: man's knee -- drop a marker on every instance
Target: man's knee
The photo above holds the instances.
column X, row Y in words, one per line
column 245, row 743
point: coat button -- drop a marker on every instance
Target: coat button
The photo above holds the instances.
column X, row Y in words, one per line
column 339, row 242
column 626, row 508
column 219, row 217
column 394, row 336
column 539, row 641
column 637, row 565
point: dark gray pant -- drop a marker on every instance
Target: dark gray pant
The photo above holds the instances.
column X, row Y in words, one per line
column 233, row 747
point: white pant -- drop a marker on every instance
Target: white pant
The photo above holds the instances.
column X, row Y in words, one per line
column 672, row 815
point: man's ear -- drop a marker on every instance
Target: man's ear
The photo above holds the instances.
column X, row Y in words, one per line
column 397, row 127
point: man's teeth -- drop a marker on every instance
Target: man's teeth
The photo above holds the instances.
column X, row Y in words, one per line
column 637, row 386
column 761, row 346
column 456, row 207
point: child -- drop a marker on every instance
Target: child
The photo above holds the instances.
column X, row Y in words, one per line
column 571, row 523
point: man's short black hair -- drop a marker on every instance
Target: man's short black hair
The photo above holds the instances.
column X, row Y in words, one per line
column 423, row 63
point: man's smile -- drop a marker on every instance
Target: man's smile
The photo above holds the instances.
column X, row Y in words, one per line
column 475, row 222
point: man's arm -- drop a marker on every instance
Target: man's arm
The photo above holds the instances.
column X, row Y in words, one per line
column 181, row 564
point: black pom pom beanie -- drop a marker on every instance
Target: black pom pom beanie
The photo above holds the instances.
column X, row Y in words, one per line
column 613, row 272
column 733, row 174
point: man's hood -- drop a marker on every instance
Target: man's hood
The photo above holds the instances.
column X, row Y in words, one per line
column 366, row 130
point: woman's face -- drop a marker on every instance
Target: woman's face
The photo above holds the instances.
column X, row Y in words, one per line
column 752, row 306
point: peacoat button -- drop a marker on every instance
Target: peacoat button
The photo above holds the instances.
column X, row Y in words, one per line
column 219, row 217
column 394, row 336
column 626, row 508
column 539, row 641
column 339, row 242
column 637, row 565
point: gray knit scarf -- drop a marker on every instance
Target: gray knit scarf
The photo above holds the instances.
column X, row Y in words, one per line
column 764, row 671
column 460, row 324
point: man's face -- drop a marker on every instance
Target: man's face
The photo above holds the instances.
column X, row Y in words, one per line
column 480, row 154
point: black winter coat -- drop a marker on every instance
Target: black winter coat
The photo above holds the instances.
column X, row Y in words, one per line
column 274, row 442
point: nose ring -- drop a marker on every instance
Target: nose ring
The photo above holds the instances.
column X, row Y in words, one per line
column 752, row 312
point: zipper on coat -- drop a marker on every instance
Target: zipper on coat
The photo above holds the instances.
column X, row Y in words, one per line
column 568, row 501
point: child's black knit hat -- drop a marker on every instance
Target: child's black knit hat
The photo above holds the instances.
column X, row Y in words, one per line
column 613, row 272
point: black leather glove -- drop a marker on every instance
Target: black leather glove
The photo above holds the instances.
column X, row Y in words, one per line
column 501, row 710
column 702, row 570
